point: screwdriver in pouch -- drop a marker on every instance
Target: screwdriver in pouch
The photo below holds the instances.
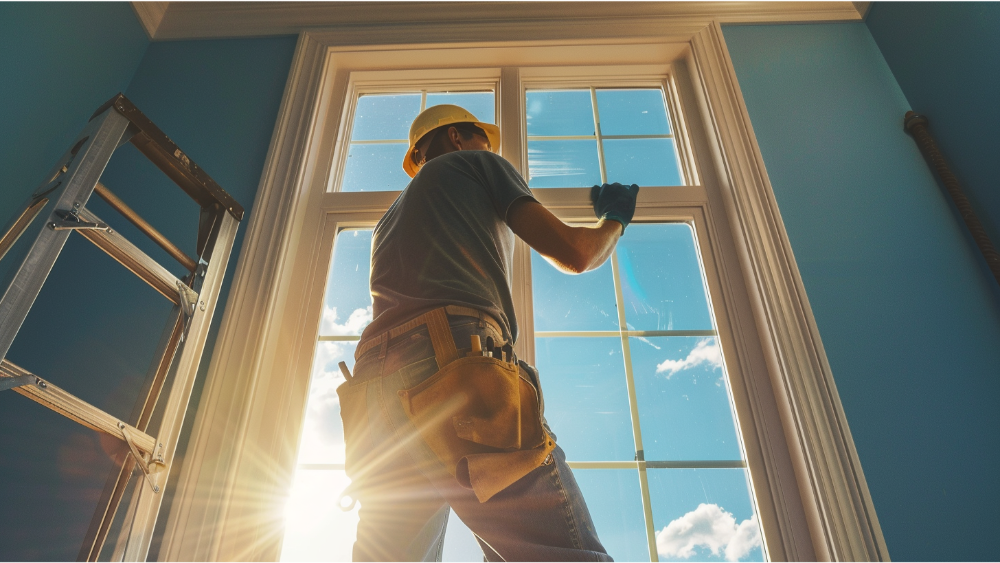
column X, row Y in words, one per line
column 489, row 346
column 508, row 352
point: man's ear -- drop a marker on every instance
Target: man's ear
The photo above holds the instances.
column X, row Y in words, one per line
column 455, row 138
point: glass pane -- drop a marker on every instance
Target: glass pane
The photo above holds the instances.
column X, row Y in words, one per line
column 323, row 431
column 381, row 117
column 646, row 162
column 317, row 530
column 347, row 307
column 573, row 302
column 632, row 112
column 704, row 515
column 373, row 168
column 563, row 164
column 481, row 104
column 586, row 400
column 661, row 278
column 559, row 113
column 615, row 503
column 684, row 407
column 459, row 542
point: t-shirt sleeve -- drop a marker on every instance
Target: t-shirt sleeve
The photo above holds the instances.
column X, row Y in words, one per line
column 504, row 184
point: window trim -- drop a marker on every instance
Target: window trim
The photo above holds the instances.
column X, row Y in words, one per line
column 230, row 493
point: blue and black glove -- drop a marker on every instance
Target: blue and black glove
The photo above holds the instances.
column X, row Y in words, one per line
column 615, row 202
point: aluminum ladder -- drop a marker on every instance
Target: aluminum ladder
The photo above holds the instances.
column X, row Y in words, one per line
column 62, row 199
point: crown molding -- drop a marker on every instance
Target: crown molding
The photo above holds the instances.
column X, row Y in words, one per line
column 206, row 20
column 863, row 8
column 150, row 15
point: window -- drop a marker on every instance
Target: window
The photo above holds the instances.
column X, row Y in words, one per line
column 634, row 379
column 809, row 489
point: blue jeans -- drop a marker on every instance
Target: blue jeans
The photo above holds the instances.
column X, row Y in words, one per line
column 405, row 497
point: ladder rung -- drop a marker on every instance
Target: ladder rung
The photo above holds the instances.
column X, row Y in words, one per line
column 144, row 226
column 129, row 255
column 50, row 396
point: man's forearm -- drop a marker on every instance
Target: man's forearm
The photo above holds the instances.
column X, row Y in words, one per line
column 571, row 249
column 596, row 244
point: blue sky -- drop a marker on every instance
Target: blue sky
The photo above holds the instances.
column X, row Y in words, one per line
column 681, row 391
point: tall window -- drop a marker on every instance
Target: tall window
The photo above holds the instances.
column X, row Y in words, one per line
column 634, row 377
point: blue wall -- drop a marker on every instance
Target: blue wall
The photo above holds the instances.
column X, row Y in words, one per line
column 58, row 62
column 95, row 326
column 946, row 58
column 909, row 321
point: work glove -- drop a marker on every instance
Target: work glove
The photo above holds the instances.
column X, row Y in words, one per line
column 615, row 202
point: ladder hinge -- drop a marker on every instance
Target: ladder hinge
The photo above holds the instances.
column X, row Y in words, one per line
column 155, row 459
column 70, row 221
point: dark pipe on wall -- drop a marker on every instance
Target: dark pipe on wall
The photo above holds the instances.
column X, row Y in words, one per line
column 916, row 126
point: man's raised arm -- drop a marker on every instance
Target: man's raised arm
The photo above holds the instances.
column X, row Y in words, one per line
column 575, row 249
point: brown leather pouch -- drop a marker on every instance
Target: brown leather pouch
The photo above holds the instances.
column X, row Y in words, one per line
column 479, row 415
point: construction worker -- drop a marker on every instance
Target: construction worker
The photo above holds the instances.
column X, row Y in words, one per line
column 438, row 413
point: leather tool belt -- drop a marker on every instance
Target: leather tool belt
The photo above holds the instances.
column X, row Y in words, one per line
column 480, row 415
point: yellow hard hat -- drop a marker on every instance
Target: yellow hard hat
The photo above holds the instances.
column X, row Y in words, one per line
column 436, row 116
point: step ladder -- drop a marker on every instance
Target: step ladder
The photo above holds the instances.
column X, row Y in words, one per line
column 62, row 201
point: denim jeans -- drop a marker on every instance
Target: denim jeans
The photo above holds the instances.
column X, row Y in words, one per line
column 405, row 497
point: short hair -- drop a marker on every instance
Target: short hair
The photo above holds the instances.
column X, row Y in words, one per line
column 439, row 141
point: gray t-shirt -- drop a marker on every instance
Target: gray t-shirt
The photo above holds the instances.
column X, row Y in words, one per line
column 445, row 241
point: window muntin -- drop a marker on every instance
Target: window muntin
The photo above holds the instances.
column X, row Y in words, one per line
column 573, row 144
column 380, row 133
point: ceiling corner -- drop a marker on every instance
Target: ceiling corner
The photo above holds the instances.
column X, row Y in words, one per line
column 862, row 8
column 150, row 14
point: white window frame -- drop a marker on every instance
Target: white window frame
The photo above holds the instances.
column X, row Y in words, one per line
column 812, row 498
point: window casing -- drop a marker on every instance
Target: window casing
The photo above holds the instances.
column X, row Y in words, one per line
column 231, row 495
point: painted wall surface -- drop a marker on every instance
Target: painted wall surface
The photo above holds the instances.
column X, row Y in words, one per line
column 946, row 58
column 59, row 61
column 95, row 326
column 909, row 322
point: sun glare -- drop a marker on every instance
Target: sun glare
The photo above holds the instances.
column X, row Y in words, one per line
column 312, row 513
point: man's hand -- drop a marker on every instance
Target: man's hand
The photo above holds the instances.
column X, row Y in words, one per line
column 615, row 202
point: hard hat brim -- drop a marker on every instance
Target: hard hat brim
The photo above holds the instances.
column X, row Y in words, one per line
column 492, row 133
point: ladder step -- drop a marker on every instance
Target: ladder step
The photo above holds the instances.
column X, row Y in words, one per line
column 129, row 255
column 52, row 397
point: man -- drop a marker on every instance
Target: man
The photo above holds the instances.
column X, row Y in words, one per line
column 441, row 261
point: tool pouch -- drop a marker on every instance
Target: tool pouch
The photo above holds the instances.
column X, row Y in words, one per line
column 479, row 415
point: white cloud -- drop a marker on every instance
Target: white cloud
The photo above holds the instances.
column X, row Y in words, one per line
column 711, row 527
column 746, row 538
column 358, row 320
column 706, row 351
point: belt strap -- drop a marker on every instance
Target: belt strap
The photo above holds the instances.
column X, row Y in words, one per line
column 436, row 318
column 441, row 339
